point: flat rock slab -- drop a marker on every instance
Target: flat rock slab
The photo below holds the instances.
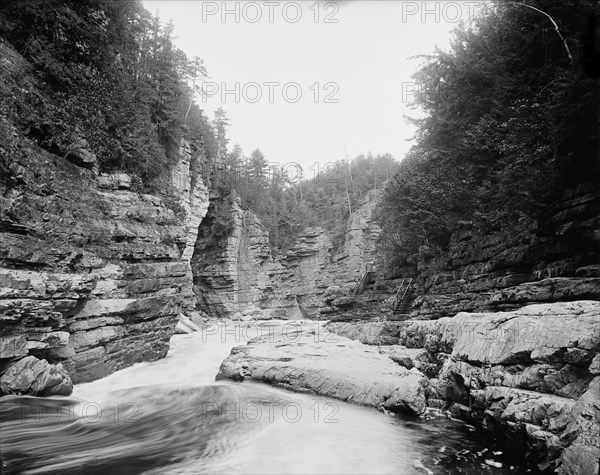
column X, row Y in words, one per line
column 307, row 358
column 369, row 333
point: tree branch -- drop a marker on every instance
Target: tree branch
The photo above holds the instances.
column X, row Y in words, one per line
column 553, row 22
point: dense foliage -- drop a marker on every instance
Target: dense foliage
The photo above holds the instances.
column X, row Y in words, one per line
column 287, row 198
column 107, row 77
column 511, row 120
column 339, row 189
column 105, row 72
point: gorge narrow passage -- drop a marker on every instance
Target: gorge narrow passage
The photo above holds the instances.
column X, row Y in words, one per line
column 170, row 416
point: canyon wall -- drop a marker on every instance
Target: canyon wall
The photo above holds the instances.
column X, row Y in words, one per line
column 236, row 275
column 231, row 259
column 299, row 278
column 93, row 274
column 360, row 240
column 507, row 328
column 556, row 259
column 552, row 260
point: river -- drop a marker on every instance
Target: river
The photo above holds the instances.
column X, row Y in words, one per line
column 170, row 417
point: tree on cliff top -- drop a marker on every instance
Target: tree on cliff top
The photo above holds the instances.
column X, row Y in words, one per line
column 111, row 75
column 511, row 120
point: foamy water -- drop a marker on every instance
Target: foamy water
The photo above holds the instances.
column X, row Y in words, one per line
column 170, row 416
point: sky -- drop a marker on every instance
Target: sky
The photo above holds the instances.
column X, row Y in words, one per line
column 308, row 82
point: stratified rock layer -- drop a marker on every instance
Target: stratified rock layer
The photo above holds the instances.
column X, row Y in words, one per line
column 235, row 273
column 532, row 374
column 553, row 259
column 360, row 240
column 93, row 274
column 37, row 378
column 298, row 279
column 231, row 259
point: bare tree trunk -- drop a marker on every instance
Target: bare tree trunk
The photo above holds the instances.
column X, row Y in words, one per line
column 191, row 100
column 348, row 197
column 349, row 170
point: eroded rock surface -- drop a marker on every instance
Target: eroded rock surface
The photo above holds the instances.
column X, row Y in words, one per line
column 235, row 271
column 37, row 378
column 298, row 279
column 360, row 240
column 369, row 333
column 93, row 274
column 549, row 260
column 307, row 358
column 231, row 260
column 531, row 374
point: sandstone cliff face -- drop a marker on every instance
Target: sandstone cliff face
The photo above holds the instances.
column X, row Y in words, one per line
column 236, row 276
column 553, row 260
column 193, row 198
column 299, row 278
column 231, row 259
column 319, row 283
column 541, row 262
column 360, row 240
column 93, row 275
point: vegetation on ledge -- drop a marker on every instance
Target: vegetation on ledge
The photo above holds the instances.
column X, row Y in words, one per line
column 511, row 120
column 106, row 76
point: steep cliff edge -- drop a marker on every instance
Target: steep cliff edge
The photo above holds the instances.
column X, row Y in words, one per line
column 93, row 274
column 299, row 277
column 236, row 275
column 360, row 239
column 230, row 260
column 555, row 259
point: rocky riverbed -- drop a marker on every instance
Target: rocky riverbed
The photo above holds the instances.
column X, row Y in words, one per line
column 530, row 377
column 304, row 357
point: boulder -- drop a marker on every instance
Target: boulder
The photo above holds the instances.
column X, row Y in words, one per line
column 567, row 332
column 409, row 358
column 13, row 346
column 530, row 375
column 369, row 333
column 542, row 333
column 36, row 377
column 582, row 456
column 114, row 181
column 80, row 154
column 309, row 359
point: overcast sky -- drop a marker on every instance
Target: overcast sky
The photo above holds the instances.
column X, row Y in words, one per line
column 337, row 70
